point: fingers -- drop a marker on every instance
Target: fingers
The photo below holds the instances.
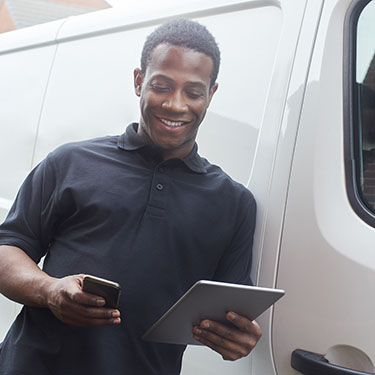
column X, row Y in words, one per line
column 83, row 298
column 228, row 349
column 244, row 324
column 232, row 342
column 72, row 306
column 84, row 316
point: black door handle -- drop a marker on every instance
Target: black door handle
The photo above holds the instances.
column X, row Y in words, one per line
column 308, row 363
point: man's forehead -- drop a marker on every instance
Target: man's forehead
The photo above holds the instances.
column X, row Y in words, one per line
column 168, row 56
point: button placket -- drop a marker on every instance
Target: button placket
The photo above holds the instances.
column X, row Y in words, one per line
column 160, row 178
column 158, row 195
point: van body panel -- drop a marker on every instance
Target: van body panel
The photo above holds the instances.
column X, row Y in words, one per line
column 112, row 107
column 268, row 255
column 24, row 74
column 147, row 13
column 30, row 37
column 22, row 92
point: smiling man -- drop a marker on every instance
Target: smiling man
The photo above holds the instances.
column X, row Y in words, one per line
column 143, row 209
column 175, row 91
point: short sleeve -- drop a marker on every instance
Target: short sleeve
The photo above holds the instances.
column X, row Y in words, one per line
column 32, row 218
column 235, row 264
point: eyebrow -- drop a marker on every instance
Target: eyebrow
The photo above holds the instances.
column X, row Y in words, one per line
column 189, row 83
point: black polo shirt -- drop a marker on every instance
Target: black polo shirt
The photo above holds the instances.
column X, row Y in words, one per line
column 111, row 207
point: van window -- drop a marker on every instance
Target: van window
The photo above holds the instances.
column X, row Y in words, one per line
column 364, row 106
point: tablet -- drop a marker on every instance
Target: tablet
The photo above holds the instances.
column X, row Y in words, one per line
column 209, row 300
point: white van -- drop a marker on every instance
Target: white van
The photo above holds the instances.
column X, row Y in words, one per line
column 294, row 120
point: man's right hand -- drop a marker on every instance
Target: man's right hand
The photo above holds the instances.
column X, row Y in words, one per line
column 23, row 281
column 71, row 305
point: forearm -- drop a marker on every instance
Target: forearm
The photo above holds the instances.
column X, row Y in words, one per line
column 21, row 279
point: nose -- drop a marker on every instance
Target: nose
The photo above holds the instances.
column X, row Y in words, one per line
column 175, row 102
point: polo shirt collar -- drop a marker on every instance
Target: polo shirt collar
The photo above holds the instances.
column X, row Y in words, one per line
column 130, row 140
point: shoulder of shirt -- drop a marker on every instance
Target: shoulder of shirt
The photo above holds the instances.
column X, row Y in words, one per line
column 73, row 149
column 216, row 172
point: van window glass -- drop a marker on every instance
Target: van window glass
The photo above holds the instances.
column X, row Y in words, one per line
column 17, row 14
column 364, row 122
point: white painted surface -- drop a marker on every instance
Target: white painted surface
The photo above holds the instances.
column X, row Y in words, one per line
column 24, row 75
column 272, row 200
column 31, row 37
column 232, row 122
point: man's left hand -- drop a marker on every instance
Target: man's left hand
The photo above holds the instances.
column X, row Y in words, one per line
column 231, row 342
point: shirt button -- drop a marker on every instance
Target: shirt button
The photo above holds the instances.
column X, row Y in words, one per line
column 159, row 187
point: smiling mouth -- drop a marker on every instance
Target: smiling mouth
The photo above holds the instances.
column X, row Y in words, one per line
column 173, row 124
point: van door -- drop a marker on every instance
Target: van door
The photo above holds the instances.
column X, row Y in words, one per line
column 327, row 256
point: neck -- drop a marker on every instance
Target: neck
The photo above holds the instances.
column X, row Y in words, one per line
column 168, row 153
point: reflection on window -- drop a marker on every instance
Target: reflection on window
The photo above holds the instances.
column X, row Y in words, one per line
column 17, row 14
column 365, row 77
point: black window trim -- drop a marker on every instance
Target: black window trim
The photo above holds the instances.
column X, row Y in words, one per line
column 350, row 98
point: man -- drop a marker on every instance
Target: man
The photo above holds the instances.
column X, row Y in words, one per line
column 143, row 209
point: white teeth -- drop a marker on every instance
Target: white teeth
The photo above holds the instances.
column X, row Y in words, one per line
column 171, row 123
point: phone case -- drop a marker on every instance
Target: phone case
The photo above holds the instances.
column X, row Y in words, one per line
column 109, row 290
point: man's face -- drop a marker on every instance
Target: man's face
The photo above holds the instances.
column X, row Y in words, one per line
column 174, row 96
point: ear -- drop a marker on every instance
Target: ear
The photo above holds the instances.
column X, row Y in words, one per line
column 138, row 80
column 212, row 92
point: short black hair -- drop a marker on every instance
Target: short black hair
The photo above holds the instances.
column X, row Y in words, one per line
column 183, row 33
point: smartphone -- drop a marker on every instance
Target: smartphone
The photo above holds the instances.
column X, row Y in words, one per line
column 107, row 289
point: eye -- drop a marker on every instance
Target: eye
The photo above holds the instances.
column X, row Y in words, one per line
column 194, row 94
column 159, row 88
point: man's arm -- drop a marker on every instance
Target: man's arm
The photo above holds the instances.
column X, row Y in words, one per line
column 23, row 281
column 231, row 342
